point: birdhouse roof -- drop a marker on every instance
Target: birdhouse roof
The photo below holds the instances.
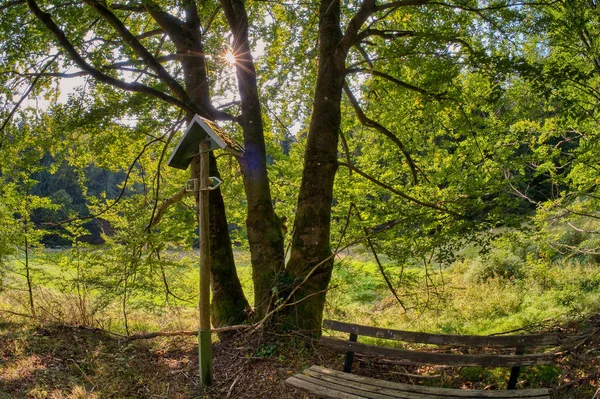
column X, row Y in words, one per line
column 197, row 130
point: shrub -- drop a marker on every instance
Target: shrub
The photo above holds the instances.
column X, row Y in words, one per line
column 500, row 263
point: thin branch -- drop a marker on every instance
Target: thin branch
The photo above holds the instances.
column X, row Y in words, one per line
column 11, row 4
column 401, row 3
column 379, row 265
column 362, row 117
column 163, row 58
column 582, row 230
column 133, row 7
column 24, row 96
column 185, row 333
column 346, row 149
column 47, row 20
column 437, row 96
column 63, row 75
column 173, row 129
column 10, row 312
column 521, row 194
column 400, row 193
column 494, row 7
column 345, row 226
column 116, row 201
column 68, row 75
column 211, row 19
column 285, row 302
column 150, row 33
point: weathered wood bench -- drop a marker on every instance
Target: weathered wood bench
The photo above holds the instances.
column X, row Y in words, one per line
column 328, row 383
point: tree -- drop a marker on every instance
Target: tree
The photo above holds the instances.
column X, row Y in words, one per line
column 414, row 50
column 565, row 75
column 89, row 43
column 363, row 38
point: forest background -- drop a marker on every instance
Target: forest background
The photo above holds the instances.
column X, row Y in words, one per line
column 417, row 164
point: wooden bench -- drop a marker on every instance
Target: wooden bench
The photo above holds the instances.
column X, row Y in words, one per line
column 328, row 383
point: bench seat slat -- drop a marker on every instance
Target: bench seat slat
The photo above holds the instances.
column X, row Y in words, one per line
column 321, row 391
column 428, row 391
column 361, row 393
column 448, row 359
column 538, row 340
column 335, row 387
column 373, row 390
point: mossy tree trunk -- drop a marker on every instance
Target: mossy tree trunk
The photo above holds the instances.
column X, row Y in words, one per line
column 311, row 240
column 310, row 257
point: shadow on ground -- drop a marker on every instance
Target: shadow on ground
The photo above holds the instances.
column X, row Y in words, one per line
column 58, row 362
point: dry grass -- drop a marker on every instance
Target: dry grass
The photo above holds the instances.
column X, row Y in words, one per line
column 69, row 362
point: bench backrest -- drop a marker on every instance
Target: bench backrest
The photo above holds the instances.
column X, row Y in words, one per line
column 471, row 341
column 519, row 342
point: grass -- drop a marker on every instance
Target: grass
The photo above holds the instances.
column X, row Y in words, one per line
column 507, row 290
column 459, row 303
column 471, row 296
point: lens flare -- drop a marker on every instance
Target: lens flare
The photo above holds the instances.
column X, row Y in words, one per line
column 230, row 58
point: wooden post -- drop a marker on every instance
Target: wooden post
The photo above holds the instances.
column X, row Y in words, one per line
column 204, row 334
column 515, row 371
column 350, row 355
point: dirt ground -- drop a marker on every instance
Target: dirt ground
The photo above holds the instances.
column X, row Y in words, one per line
column 54, row 361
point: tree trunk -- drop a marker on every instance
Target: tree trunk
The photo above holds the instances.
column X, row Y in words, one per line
column 263, row 226
column 229, row 305
column 310, row 243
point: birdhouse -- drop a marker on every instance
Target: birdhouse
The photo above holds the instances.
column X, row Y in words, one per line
column 197, row 130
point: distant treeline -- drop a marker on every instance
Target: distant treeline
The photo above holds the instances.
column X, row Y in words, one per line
column 68, row 189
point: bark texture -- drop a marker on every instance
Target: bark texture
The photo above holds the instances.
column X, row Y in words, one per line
column 229, row 305
column 262, row 224
column 310, row 243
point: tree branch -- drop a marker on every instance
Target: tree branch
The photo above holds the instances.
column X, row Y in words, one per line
column 494, row 7
column 133, row 7
column 68, row 75
column 141, row 51
column 379, row 265
column 172, row 25
column 116, row 201
column 362, row 117
column 350, row 35
column 185, row 333
column 160, row 210
column 401, row 3
column 346, row 149
column 179, row 32
column 400, row 193
column 211, row 19
column 58, row 33
column 437, row 96
column 163, row 58
column 171, row 133
column 364, row 54
column 150, row 33
column 384, row 33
